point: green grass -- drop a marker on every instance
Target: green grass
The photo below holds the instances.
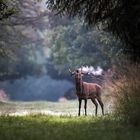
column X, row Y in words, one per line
column 43, row 127
column 36, row 126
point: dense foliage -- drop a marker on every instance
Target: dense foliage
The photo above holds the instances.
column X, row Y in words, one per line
column 119, row 16
column 7, row 8
column 34, row 39
column 20, row 40
column 74, row 44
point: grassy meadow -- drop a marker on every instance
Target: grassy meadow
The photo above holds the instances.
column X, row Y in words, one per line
column 43, row 127
column 36, row 124
column 66, row 108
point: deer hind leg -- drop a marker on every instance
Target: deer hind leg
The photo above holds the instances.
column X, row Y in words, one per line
column 85, row 107
column 80, row 101
column 101, row 104
column 96, row 105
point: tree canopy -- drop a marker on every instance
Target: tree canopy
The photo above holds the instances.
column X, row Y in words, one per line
column 121, row 17
column 34, row 41
column 7, row 9
column 72, row 44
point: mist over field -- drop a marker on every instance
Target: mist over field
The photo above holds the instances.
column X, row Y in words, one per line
column 30, row 89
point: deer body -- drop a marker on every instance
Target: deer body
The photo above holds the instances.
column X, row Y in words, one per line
column 89, row 90
column 86, row 91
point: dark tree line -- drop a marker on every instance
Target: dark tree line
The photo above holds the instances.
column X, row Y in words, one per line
column 121, row 17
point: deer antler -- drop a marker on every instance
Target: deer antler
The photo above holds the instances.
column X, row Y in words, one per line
column 71, row 72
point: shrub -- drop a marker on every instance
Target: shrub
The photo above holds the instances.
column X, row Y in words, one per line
column 125, row 87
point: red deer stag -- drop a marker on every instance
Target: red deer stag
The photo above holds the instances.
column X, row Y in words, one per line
column 86, row 91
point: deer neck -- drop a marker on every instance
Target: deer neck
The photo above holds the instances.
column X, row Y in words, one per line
column 79, row 86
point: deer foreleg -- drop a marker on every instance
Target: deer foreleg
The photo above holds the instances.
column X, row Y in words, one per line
column 85, row 107
column 80, row 101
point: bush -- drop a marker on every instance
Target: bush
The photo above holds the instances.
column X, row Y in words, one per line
column 125, row 87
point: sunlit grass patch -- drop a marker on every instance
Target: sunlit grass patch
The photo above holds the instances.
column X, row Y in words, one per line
column 34, row 127
column 69, row 108
column 37, row 107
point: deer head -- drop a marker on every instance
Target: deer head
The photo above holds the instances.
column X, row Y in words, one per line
column 77, row 73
